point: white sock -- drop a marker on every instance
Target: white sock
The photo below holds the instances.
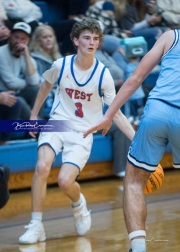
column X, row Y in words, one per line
column 138, row 245
column 77, row 203
column 36, row 217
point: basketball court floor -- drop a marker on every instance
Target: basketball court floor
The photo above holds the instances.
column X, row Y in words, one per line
column 108, row 232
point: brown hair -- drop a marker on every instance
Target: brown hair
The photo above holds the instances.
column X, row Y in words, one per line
column 89, row 24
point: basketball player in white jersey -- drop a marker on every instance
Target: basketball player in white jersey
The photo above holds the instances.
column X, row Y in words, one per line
column 84, row 84
column 160, row 125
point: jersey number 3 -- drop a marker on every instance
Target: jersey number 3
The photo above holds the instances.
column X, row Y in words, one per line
column 79, row 111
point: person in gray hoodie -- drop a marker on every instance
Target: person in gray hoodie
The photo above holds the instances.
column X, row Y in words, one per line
column 18, row 71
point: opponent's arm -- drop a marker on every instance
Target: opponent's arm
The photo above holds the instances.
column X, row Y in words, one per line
column 124, row 125
column 149, row 61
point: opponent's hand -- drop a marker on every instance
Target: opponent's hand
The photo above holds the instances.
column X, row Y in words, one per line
column 104, row 125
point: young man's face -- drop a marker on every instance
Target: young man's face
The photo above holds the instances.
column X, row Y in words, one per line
column 87, row 42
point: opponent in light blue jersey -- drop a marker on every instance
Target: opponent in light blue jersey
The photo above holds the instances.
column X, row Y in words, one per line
column 160, row 125
column 167, row 87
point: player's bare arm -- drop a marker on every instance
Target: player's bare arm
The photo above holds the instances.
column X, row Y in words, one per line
column 41, row 97
column 123, row 124
column 119, row 119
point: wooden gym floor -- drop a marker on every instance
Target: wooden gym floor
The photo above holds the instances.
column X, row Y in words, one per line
column 108, row 232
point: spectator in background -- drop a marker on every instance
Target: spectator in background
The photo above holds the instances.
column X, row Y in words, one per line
column 18, row 69
column 104, row 11
column 138, row 23
column 44, row 49
column 169, row 11
column 71, row 12
column 4, row 30
column 75, row 10
column 116, row 72
column 134, row 106
column 23, row 11
column 9, row 110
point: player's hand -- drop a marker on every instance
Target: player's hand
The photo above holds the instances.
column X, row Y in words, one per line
column 104, row 125
column 33, row 134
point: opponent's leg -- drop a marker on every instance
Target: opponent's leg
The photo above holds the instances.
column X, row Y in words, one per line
column 135, row 211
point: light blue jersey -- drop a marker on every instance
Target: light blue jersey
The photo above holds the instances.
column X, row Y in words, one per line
column 160, row 123
column 167, row 87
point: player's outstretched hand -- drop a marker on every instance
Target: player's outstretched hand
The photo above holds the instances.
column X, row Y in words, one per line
column 104, row 124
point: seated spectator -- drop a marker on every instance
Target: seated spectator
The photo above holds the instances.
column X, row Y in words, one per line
column 18, row 71
column 116, row 72
column 4, row 30
column 9, row 110
column 168, row 10
column 138, row 23
column 104, row 11
column 23, row 11
column 134, row 106
column 44, row 49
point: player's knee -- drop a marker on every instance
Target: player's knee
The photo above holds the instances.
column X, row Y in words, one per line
column 64, row 183
column 42, row 169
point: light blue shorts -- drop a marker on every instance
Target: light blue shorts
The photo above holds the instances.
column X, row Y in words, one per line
column 160, row 125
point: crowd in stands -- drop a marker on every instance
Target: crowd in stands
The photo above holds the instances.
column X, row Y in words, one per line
column 28, row 47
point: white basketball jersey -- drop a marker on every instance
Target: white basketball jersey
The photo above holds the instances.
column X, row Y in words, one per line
column 80, row 95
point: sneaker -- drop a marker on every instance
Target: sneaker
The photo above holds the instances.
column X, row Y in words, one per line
column 82, row 217
column 4, row 191
column 35, row 233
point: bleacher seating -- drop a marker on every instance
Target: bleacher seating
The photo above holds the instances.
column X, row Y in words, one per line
column 21, row 156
